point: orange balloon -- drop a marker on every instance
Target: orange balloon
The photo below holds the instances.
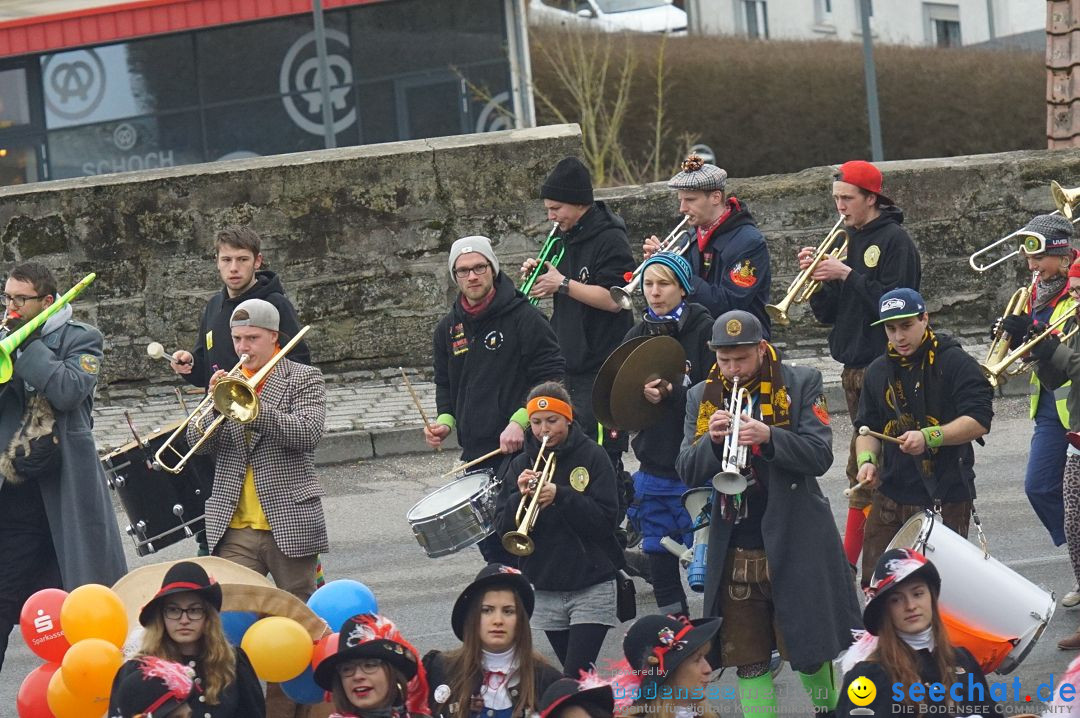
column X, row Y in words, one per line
column 94, row 611
column 65, row 704
column 90, row 666
column 279, row 648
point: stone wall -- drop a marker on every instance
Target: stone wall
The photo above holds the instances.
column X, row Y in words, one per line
column 360, row 235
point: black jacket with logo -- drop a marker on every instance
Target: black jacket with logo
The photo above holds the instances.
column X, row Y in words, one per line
column 574, row 537
column 485, row 365
column 657, row 447
column 597, row 253
column 882, row 257
column 214, row 347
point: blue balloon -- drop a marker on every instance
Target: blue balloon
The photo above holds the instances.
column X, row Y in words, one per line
column 236, row 623
column 303, row 689
column 340, row 600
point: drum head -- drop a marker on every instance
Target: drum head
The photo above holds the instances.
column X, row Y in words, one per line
column 914, row 533
column 446, row 497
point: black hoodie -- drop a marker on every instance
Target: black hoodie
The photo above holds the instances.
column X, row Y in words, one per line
column 597, row 253
column 657, row 447
column 214, row 347
column 965, row 392
column 882, row 257
column 486, row 364
column 575, row 535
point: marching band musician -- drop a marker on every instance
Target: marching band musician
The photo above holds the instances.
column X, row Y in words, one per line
column 657, row 509
column 775, row 570
column 1046, row 246
column 1056, row 364
column 575, row 555
column 727, row 251
column 587, row 321
column 880, row 257
column 489, row 349
column 932, row 396
column 57, row 525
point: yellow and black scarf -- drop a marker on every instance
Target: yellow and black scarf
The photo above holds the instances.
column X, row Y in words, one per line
column 913, row 393
column 773, row 400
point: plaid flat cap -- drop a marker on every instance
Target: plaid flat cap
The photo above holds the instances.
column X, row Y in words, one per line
column 697, row 174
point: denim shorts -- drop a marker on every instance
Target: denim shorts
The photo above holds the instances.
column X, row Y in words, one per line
column 558, row 610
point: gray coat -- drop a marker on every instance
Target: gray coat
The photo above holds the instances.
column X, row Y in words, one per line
column 813, row 590
column 64, row 365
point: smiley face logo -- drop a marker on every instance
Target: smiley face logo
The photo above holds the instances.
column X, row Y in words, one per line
column 862, row 691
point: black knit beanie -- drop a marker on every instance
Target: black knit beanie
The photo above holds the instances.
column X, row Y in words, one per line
column 569, row 182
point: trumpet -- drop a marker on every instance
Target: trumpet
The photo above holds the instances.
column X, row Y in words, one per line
column 552, row 252
column 730, row 480
column 519, row 542
column 233, row 397
column 624, row 296
column 804, row 286
column 996, row 372
column 999, row 345
column 1066, row 200
column 11, row 342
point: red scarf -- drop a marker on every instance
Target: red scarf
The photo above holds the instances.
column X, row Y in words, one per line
column 703, row 235
column 474, row 309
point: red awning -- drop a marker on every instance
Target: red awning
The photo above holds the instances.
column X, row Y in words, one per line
column 114, row 23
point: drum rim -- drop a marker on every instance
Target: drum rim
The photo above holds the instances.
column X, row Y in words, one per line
column 464, row 499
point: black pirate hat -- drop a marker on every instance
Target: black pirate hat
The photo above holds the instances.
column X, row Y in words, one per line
column 893, row 568
column 367, row 637
column 655, row 645
column 156, row 688
column 492, row 576
column 183, row 577
column 567, row 692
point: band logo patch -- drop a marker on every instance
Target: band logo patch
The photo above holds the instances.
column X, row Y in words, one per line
column 821, row 409
column 579, row 478
column 782, row 400
column 733, row 327
column 459, row 343
column 541, row 403
column 210, row 340
column 871, row 256
column 493, row 340
column 583, row 275
column 893, row 303
column 743, row 274
column 89, row 363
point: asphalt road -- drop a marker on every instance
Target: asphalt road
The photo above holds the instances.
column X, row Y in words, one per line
column 372, row 542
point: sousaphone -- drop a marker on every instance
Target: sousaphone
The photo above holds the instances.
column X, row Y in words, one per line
column 618, row 397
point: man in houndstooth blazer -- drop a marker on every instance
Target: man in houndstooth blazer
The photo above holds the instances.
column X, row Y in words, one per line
column 265, row 511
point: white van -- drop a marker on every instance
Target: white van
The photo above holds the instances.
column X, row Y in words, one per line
column 610, row 15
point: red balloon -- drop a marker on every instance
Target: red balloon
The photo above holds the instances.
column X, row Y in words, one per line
column 31, row 701
column 40, row 624
column 325, row 646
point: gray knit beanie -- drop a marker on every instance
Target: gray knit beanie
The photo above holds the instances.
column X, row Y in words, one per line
column 481, row 245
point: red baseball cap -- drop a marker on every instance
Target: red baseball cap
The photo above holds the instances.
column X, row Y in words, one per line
column 863, row 175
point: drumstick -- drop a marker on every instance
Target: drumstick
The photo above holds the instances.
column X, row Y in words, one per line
column 416, row 400
column 472, row 463
column 865, row 431
column 851, row 489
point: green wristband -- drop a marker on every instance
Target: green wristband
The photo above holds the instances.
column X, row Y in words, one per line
column 446, row 420
column 867, row 457
column 521, row 417
column 935, row 437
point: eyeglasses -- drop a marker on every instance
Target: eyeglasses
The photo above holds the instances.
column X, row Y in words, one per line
column 18, row 301
column 194, row 613
column 366, row 666
column 479, row 270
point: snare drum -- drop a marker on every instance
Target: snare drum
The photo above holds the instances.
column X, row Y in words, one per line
column 455, row 516
column 162, row 508
column 991, row 610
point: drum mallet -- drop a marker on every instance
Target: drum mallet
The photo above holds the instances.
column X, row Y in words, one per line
column 851, row 489
column 472, row 463
column 156, row 351
column 865, row 431
column 416, row 401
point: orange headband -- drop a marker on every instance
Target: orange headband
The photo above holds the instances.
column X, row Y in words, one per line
column 550, row 403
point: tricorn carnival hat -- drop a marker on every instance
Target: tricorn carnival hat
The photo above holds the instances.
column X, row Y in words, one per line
column 893, row 568
column 368, row 636
column 655, row 645
column 492, row 576
column 156, row 688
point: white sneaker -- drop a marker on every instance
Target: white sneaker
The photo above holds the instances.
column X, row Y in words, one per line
column 1072, row 598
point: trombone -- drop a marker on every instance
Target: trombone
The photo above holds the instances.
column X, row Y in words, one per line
column 624, row 296
column 999, row 345
column 804, row 286
column 1066, row 200
column 519, row 542
column 730, row 480
column 233, row 397
column 552, row 251
column 996, row 372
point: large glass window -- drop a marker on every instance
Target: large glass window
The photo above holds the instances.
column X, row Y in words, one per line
column 14, row 100
column 132, row 144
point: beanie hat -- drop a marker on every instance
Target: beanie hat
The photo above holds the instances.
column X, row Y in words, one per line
column 476, row 243
column 697, row 174
column 677, row 264
column 1054, row 229
column 1074, row 269
column 569, row 182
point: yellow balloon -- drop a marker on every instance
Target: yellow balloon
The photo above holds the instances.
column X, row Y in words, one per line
column 94, row 611
column 90, row 666
column 279, row 648
column 65, row 704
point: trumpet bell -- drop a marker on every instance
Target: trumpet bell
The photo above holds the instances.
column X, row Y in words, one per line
column 778, row 314
column 1065, row 199
column 518, row 543
column 729, row 482
column 236, row 399
column 622, row 297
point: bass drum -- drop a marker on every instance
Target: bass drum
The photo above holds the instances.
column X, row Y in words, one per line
column 999, row 631
column 455, row 516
